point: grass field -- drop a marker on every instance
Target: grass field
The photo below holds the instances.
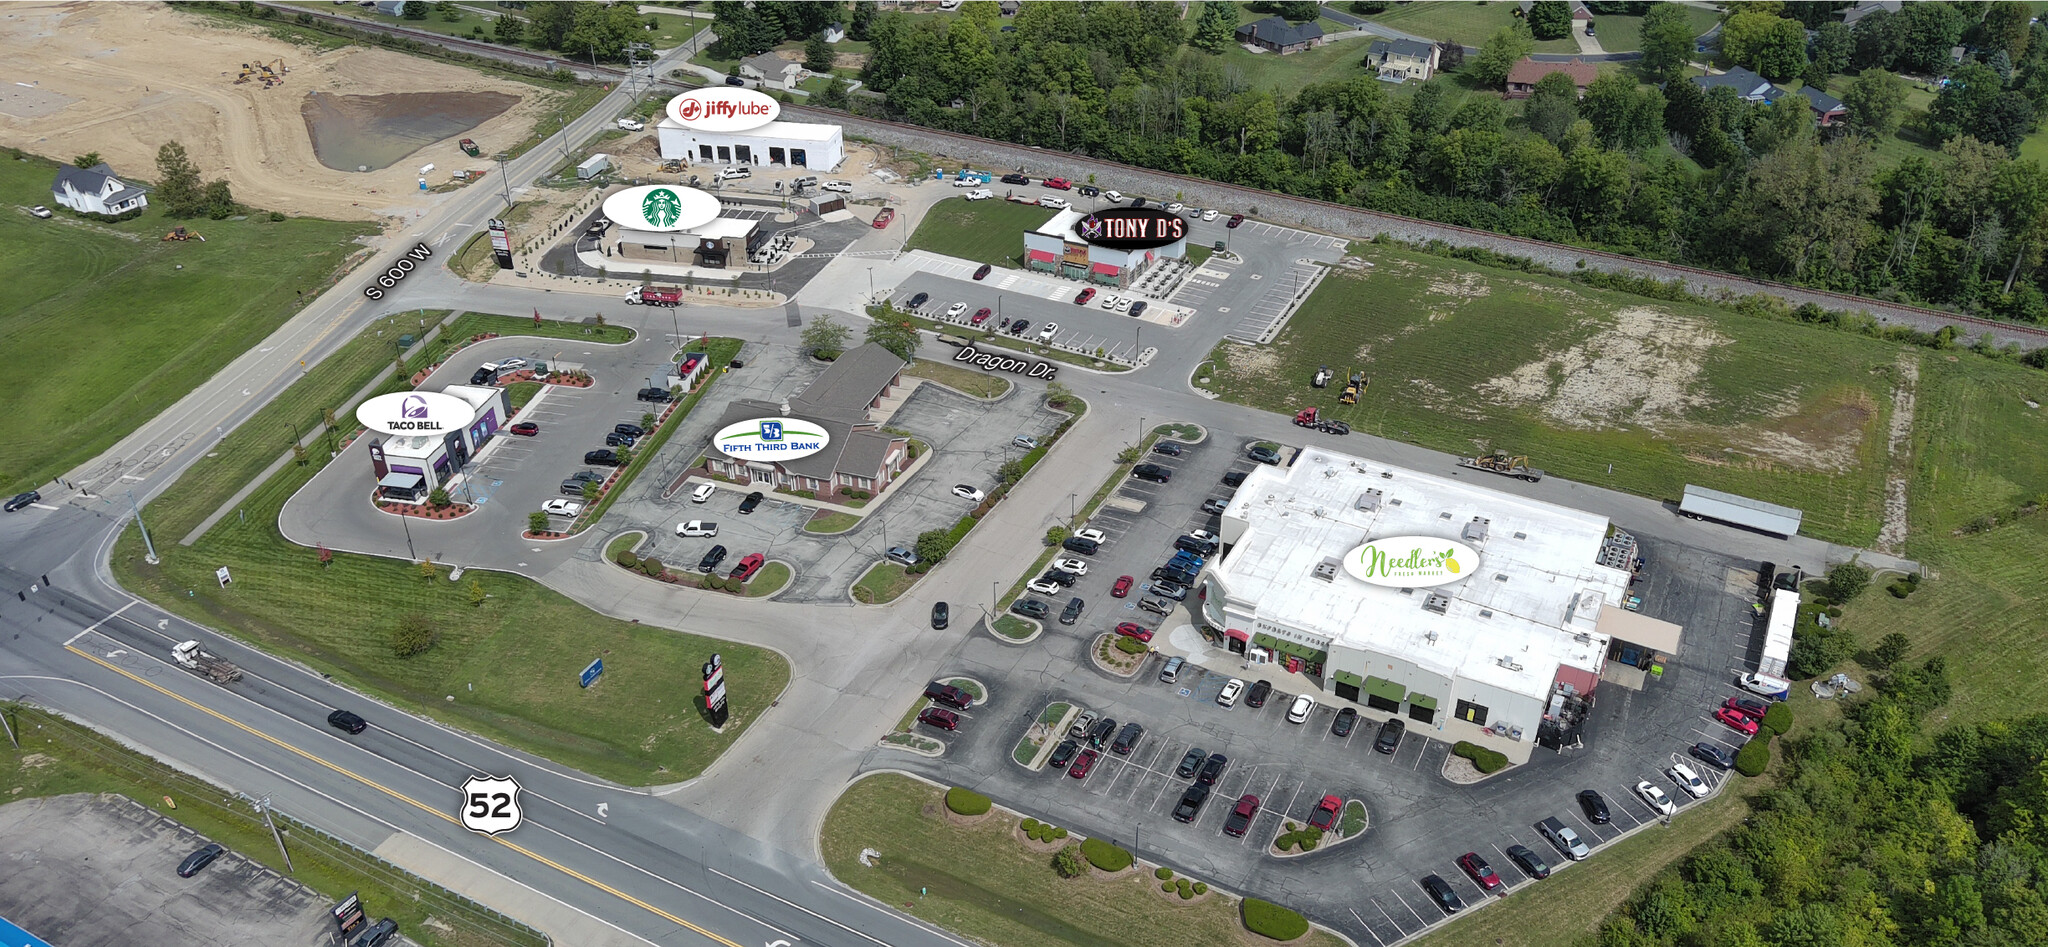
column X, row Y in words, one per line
column 120, row 329
column 1465, row 358
column 1010, row 897
column 1467, row 22
column 882, row 583
column 982, row 231
column 831, row 521
column 669, row 30
column 769, row 580
column 58, row 757
column 521, row 649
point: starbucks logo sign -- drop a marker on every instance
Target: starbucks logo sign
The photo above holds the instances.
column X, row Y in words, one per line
column 662, row 207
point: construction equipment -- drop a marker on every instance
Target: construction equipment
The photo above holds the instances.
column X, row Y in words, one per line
column 216, row 668
column 184, row 234
column 672, row 166
column 469, row 148
column 247, row 72
column 1355, row 389
column 1499, row 462
column 1322, row 379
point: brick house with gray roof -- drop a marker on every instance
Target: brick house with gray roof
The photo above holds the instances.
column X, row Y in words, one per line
column 858, row 454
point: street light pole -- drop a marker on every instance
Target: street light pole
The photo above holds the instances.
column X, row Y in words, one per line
column 145, row 530
column 508, row 181
column 406, row 521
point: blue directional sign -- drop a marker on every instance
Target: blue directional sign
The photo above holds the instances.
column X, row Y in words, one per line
column 590, row 673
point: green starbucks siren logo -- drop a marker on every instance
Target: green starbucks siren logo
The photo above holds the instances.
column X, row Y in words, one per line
column 661, row 207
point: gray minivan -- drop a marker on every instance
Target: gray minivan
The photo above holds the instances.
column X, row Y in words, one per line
column 1171, row 672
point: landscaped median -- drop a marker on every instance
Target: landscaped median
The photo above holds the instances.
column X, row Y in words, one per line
column 894, row 839
column 503, row 652
column 987, row 339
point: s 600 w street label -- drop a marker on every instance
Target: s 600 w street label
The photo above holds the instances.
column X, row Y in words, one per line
column 390, row 277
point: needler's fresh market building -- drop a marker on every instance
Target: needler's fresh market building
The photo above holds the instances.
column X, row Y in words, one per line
column 1487, row 616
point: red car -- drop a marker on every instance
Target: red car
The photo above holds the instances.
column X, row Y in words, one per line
column 1742, row 723
column 1086, row 294
column 1083, row 763
column 982, row 316
column 1131, row 629
column 985, row 268
column 1325, row 816
column 1059, row 184
column 1747, row 706
column 1480, row 871
column 1240, row 819
column 939, row 717
column 525, row 429
column 882, row 219
column 1122, row 586
column 1235, row 219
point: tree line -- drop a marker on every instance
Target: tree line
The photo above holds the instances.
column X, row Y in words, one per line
column 1646, row 163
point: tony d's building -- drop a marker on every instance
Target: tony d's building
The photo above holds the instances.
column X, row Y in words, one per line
column 1054, row 248
column 1530, row 627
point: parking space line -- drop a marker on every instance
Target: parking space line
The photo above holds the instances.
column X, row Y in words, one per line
column 1361, row 923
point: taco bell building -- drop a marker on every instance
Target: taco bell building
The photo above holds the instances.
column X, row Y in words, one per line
column 1523, row 637
column 1054, row 248
column 410, row 466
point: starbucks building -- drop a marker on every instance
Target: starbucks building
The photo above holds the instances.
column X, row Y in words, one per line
column 668, row 223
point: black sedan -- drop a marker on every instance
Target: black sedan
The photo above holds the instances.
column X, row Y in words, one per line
column 1596, row 807
column 1712, row 755
column 753, row 500
column 940, row 616
column 1346, row 719
column 1062, row 755
column 346, row 722
column 1441, row 892
column 1191, row 764
column 22, row 500
column 916, row 301
column 200, row 859
column 1212, row 769
column 1016, row 178
column 1531, row 863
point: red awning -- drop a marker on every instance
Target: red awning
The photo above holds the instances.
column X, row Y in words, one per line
column 1237, row 635
column 1105, row 269
column 1042, row 256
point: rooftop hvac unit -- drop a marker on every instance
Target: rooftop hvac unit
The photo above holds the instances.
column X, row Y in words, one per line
column 1509, row 663
column 1475, row 531
column 1444, row 515
column 1326, row 570
column 1431, row 635
column 1370, row 499
column 1521, row 535
column 1437, row 602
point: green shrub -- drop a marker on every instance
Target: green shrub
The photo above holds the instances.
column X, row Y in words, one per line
column 651, row 566
column 1755, row 756
column 967, row 801
column 414, row 635
column 1067, row 863
column 1483, row 759
column 1271, row 920
column 1129, row 645
column 627, row 559
column 1778, row 718
column 1059, row 833
column 1030, row 826
column 1105, row 856
column 1056, row 535
column 1162, row 873
column 1187, row 889
column 1201, row 887
column 1286, row 841
column 1166, row 886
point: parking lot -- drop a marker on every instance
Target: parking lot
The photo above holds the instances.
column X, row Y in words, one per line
column 969, row 440
column 1420, row 822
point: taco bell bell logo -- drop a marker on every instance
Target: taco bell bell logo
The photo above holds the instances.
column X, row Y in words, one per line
column 413, row 407
column 771, row 430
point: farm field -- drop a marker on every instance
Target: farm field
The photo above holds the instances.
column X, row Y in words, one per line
column 984, row 231
column 153, row 330
column 1467, row 359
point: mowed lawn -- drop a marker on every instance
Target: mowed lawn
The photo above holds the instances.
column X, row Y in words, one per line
column 980, row 881
column 990, row 231
column 1468, row 23
column 1465, row 358
column 511, row 663
column 115, row 330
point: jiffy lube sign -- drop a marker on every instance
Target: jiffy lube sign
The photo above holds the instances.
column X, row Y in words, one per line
column 414, row 412
column 723, row 109
column 1411, row 562
column 772, row 439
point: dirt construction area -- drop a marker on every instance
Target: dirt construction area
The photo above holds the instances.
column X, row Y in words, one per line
column 123, row 78
column 100, row 871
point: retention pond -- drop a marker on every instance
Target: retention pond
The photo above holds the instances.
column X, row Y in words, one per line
column 352, row 132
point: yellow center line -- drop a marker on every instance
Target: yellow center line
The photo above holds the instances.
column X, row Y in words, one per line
column 423, row 807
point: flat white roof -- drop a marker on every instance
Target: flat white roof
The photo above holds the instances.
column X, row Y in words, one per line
column 1061, row 225
column 412, row 446
column 795, row 131
column 715, row 228
column 1532, row 601
column 477, row 396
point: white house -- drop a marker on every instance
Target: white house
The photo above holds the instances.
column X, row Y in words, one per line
column 773, row 71
column 96, row 191
column 835, row 32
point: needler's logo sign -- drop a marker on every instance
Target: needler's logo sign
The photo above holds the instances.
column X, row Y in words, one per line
column 723, row 109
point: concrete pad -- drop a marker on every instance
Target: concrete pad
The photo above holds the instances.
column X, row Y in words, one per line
column 101, row 871
column 562, row 923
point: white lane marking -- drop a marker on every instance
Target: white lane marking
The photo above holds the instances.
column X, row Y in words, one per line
column 95, row 625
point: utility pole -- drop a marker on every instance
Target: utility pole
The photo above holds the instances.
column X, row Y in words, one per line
column 11, row 737
column 263, row 806
column 145, row 530
column 508, row 181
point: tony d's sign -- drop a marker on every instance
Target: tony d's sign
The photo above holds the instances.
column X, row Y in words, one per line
column 1131, row 228
column 723, row 109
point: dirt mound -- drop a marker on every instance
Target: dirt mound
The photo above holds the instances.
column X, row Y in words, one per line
column 1643, row 370
column 80, row 77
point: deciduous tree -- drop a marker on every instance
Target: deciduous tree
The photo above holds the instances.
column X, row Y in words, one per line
column 1667, row 41
column 1875, row 100
column 1550, row 19
column 825, row 338
column 177, row 181
column 895, row 335
column 1553, row 107
column 1499, row 54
